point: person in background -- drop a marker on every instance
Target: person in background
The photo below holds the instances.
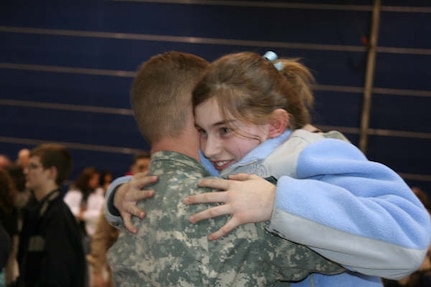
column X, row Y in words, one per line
column 422, row 277
column 23, row 195
column 23, row 198
column 9, row 220
column 105, row 180
column 105, row 234
column 23, row 157
column 4, row 161
column 103, row 238
column 85, row 199
column 50, row 249
column 5, row 249
column 141, row 162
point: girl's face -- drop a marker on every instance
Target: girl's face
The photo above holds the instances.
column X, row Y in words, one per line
column 219, row 143
column 93, row 183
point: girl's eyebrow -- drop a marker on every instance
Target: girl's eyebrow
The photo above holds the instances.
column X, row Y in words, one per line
column 223, row 123
column 219, row 123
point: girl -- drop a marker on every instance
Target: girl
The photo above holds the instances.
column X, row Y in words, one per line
column 254, row 118
column 85, row 199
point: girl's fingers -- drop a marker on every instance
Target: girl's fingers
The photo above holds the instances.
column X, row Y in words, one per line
column 214, row 183
column 209, row 213
column 143, row 180
column 138, row 195
column 228, row 227
column 127, row 221
column 240, row 176
column 208, row 197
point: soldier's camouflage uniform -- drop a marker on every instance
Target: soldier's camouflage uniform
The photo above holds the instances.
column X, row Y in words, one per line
column 170, row 251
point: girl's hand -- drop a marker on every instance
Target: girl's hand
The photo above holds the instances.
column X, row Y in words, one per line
column 128, row 195
column 247, row 198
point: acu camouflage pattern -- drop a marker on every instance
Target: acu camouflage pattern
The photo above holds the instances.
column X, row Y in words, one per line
column 170, row 251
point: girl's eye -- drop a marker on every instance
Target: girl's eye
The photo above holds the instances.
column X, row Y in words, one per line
column 201, row 131
column 225, row 130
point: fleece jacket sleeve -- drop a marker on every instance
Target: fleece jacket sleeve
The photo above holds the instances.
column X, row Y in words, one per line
column 356, row 212
column 111, row 213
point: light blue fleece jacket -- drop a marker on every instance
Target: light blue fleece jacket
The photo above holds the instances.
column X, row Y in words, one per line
column 353, row 211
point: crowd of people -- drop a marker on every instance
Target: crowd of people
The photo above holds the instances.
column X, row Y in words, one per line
column 51, row 233
column 244, row 191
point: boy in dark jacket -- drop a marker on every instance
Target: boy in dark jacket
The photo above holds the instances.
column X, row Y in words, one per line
column 50, row 251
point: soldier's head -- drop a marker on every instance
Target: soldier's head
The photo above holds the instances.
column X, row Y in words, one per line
column 162, row 91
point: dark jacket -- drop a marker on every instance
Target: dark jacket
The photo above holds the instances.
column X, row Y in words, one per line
column 51, row 251
column 5, row 246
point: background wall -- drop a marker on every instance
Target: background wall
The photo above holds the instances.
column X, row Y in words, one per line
column 66, row 69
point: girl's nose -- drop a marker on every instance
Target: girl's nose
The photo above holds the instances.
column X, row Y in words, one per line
column 210, row 147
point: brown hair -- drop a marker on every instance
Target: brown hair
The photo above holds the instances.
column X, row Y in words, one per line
column 141, row 155
column 82, row 182
column 423, row 197
column 56, row 155
column 161, row 93
column 7, row 191
column 249, row 88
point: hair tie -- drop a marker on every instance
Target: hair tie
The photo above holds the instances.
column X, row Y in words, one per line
column 271, row 57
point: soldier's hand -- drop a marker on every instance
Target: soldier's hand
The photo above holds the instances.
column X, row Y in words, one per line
column 128, row 195
column 247, row 198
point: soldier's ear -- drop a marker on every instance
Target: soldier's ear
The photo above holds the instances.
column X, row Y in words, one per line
column 279, row 122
